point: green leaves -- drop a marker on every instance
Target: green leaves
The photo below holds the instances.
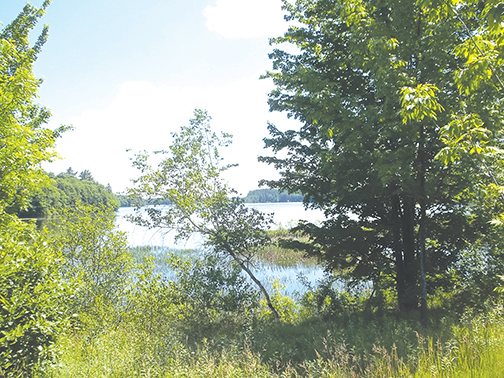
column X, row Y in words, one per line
column 463, row 135
column 94, row 259
column 494, row 13
column 372, row 83
column 24, row 142
column 189, row 177
column 33, row 297
column 474, row 134
column 32, row 291
column 419, row 102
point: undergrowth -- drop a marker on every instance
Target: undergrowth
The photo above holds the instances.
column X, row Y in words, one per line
column 209, row 321
column 475, row 349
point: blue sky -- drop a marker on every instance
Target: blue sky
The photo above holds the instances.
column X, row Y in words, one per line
column 126, row 73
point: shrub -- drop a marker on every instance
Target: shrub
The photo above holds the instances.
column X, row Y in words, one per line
column 95, row 258
column 206, row 299
column 32, row 298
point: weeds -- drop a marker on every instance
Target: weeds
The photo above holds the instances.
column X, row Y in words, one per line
column 475, row 350
column 194, row 325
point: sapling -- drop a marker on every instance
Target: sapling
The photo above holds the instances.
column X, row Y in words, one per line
column 189, row 176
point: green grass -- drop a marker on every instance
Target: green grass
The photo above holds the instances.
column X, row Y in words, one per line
column 161, row 255
column 475, row 350
column 272, row 254
column 175, row 329
column 377, row 348
column 283, row 257
column 275, row 254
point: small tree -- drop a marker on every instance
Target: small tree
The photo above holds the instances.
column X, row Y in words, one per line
column 24, row 143
column 95, row 259
column 189, row 176
column 33, row 308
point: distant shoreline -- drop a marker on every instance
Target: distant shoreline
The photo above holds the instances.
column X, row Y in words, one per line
column 253, row 196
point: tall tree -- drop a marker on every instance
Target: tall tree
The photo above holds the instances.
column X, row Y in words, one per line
column 86, row 175
column 25, row 143
column 32, row 307
column 369, row 83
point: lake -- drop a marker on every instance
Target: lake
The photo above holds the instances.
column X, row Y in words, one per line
column 285, row 215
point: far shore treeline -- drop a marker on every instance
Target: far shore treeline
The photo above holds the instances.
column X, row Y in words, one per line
column 70, row 187
column 253, row 196
column 271, row 195
column 65, row 191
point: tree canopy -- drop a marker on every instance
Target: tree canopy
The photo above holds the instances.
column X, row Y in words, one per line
column 372, row 83
column 189, row 176
column 25, row 143
column 64, row 192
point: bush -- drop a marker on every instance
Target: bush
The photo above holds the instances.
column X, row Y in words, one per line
column 95, row 258
column 32, row 298
column 205, row 299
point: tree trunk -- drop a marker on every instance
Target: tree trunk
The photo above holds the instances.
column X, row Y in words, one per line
column 410, row 266
column 423, row 198
column 398, row 250
column 422, row 231
column 256, row 281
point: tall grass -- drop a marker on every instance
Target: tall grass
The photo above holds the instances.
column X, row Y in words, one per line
column 278, row 253
column 475, row 349
column 283, row 257
column 161, row 255
column 197, row 326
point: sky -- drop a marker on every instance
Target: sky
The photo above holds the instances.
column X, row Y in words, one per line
column 127, row 73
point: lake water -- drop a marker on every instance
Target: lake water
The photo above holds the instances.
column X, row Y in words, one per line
column 285, row 215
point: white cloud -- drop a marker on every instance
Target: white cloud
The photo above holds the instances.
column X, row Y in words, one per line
column 246, row 18
column 142, row 115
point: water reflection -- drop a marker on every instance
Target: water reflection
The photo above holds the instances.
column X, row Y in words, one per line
column 285, row 215
column 289, row 276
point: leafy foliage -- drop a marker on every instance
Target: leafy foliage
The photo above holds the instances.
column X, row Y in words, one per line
column 64, row 192
column 32, row 292
column 25, row 142
column 475, row 130
column 203, row 299
column 371, row 84
column 189, row 177
column 95, row 260
column 33, row 296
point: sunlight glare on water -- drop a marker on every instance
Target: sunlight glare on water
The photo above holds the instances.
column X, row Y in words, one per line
column 285, row 215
